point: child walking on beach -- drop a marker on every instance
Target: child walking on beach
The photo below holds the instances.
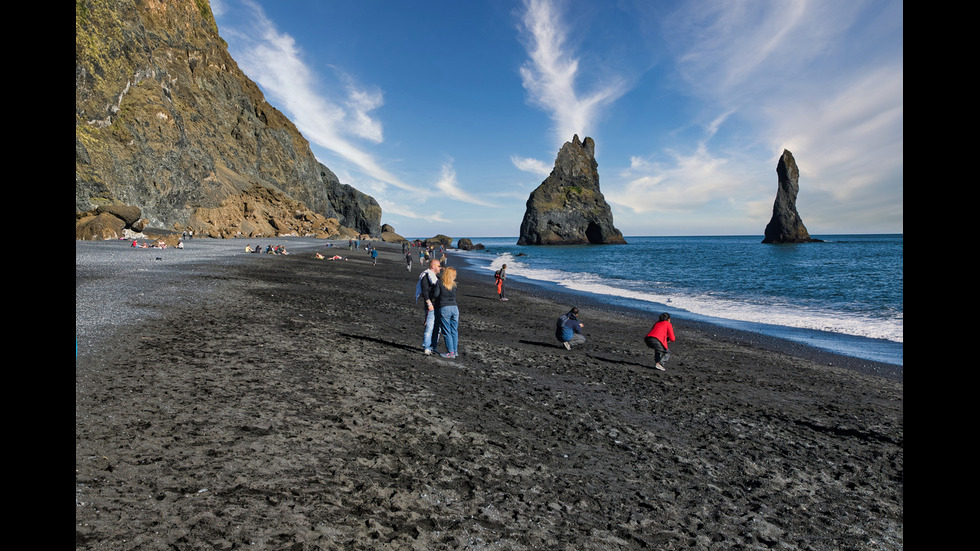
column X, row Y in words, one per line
column 660, row 334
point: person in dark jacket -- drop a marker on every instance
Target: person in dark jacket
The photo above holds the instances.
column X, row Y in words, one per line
column 568, row 329
column 425, row 289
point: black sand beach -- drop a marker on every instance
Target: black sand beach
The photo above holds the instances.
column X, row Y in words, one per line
column 282, row 402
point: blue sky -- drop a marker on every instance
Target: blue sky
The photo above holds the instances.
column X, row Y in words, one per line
column 451, row 112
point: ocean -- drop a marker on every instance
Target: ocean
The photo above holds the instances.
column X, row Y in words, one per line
column 844, row 295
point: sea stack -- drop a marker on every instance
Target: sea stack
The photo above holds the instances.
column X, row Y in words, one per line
column 786, row 225
column 568, row 208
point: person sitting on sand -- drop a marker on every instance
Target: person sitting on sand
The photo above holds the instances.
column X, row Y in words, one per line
column 568, row 330
column 660, row 334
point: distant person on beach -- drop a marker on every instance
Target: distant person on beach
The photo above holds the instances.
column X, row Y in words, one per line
column 501, row 277
column 659, row 336
column 568, row 329
column 448, row 310
column 425, row 289
column 408, row 260
column 374, row 255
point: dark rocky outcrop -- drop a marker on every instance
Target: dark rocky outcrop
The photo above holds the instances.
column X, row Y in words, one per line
column 466, row 244
column 568, row 208
column 786, row 226
column 389, row 235
column 440, row 239
column 166, row 121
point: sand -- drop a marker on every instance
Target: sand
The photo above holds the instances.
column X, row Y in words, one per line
column 233, row 401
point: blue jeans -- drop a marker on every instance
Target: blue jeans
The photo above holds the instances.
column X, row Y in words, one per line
column 449, row 322
column 431, row 336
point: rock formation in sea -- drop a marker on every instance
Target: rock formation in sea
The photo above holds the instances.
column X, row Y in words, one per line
column 165, row 121
column 786, row 226
column 568, row 208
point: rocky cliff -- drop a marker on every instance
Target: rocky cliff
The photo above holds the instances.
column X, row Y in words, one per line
column 786, row 226
column 166, row 121
column 568, row 208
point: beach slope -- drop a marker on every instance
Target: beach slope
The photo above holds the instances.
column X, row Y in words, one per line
column 283, row 402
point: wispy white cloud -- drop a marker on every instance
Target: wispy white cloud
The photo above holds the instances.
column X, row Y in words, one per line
column 683, row 182
column 449, row 186
column 551, row 72
column 534, row 166
column 732, row 51
column 276, row 63
column 359, row 104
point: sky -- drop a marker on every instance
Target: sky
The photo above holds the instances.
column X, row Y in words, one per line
column 450, row 113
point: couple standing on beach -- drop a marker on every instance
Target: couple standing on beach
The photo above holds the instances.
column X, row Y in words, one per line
column 437, row 286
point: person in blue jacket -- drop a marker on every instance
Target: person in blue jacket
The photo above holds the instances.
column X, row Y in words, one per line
column 568, row 329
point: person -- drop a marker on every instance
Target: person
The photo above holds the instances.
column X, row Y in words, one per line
column 408, row 260
column 448, row 310
column 658, row 338
column 568, row 329
column 425, row 289
column 501, row 276
column 374, row 255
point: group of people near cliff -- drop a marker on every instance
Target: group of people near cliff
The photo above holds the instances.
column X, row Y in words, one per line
column 437, row 286
column 160, row 244
column 269, row 249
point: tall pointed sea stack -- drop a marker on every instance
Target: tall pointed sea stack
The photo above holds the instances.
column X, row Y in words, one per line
column 786, row 225
column 568, row 208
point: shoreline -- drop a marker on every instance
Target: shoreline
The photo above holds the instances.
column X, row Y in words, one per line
column 775, row 344
column 226, row 400
column 594, row 303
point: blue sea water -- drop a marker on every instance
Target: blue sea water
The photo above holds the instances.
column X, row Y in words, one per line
column 844, row 295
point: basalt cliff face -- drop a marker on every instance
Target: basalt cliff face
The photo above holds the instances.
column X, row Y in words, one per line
column 165, row 121
column 786, row 226
column 568, row 208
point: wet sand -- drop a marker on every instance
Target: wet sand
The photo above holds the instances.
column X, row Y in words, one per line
column 282, row 402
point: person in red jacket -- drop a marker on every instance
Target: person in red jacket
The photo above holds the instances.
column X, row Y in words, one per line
column 660, row 334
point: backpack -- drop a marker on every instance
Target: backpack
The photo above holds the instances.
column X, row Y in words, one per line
column 496, row 275
column 560, row 324
column 418, row 287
